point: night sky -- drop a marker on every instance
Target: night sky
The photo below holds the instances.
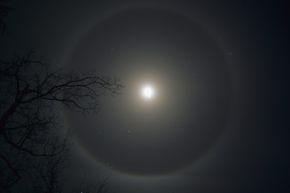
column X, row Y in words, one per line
column 218, row 121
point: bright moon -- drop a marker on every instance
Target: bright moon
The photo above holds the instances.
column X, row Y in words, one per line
column 148, row 92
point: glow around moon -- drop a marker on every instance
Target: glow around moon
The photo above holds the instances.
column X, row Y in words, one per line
column 164, row 110
column 147, row 92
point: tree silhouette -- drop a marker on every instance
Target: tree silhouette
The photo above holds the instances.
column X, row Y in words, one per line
column 31, row 93
column 33, row 153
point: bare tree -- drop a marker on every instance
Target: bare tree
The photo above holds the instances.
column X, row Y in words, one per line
column 47, row 173
column 28, row 119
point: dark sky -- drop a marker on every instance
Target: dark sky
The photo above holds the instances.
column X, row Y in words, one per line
column 219, row 123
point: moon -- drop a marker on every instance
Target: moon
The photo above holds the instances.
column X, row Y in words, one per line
column 172, row 90
column 147, row 92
